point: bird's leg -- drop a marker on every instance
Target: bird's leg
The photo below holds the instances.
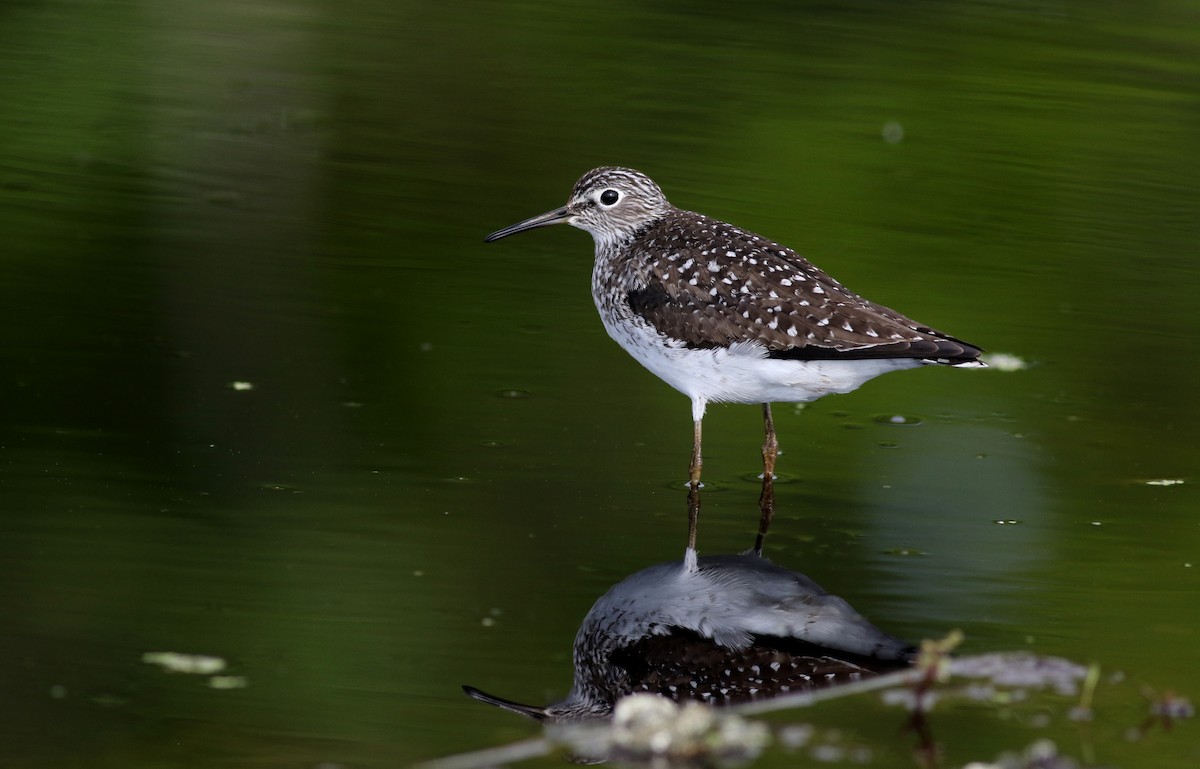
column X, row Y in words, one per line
column 766, row 500
column 690, row 562
column 694, row 491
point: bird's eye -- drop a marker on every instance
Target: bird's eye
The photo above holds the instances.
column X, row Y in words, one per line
column 609, row 197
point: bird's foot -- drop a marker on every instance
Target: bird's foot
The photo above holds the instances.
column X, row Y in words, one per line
column 755, row 551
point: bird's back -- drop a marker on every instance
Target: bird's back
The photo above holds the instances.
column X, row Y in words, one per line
column 708, row 284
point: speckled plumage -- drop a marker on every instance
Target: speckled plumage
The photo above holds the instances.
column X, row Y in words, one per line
column 704, row 284
column 709, row 284
column 734, row 629
column 725, row 315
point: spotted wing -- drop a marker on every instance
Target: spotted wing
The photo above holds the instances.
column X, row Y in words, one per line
column 710, row 284
column 684, row 665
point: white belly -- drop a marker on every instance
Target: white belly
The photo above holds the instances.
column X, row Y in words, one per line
column 742, row 373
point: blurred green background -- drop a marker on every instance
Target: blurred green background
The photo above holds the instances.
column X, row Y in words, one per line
column 266, row 395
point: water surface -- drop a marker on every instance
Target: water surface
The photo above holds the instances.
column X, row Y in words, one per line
column 267, row 395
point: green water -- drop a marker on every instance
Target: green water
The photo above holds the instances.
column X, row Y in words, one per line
column 267, row 395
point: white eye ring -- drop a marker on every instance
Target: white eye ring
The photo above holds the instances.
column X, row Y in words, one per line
column 608, row 198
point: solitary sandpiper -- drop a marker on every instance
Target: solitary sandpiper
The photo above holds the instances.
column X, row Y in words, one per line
column 725, row 315
column 734, row 628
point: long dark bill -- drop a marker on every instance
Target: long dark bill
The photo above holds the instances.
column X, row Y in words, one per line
column 529, row 711
column 557, row 216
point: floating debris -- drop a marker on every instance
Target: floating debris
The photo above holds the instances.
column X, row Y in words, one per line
column 241, row 386
column 1003, row 361
column 646, row 727
column 176, row 662
column 268, row 486
column 1165, row 710
column 1023, row 669
column 897, row 419
column 1042, row 754
column 650, row 731
column 228, row 682
column 893, row 132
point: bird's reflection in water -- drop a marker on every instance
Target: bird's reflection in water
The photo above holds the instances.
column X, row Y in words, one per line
column 737, row 629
